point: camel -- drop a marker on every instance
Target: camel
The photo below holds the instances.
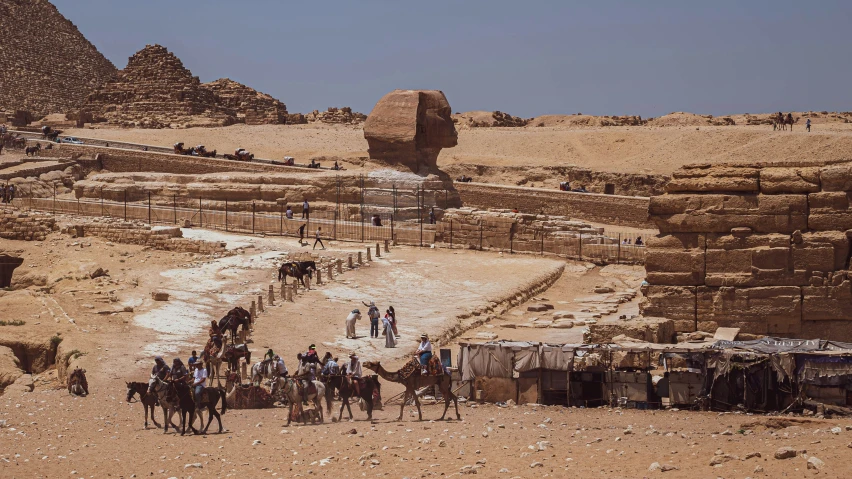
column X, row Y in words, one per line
column 413, row 380
column 213, row 363
column 291, row 390
column 77, row 383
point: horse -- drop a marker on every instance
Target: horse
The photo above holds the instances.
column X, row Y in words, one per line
column 235, row 317
column 149, row 401
column 18, row 142
column 179, row 393
column 290, row 389
column 53, row 135
column 33, row 149
column 209, row 398
column 464, row 179
column 178, row 147
column 206, row 154
column 233, row 353
column 292, row 269
column 370, row 385
column 77, row 383
column 263, row 370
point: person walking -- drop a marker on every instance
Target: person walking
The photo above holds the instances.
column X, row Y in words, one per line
column 354, row 316
column 319, row 238
column 392, row 315
column 373, row 314
column 302, row 234
column 807, row 124
column 390, row 339
column 306, row 210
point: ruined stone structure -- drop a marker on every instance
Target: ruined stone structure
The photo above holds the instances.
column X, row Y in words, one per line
column 334, row 115
column 155, row 90
column 19, row 225
column 46, row 65
column 410, row 127
column 761, row 247
column 133, row 232
column 492, row 119
column 250, row 106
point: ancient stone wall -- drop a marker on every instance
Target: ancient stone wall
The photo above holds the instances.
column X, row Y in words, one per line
column 761, row 247
column 334, row 115
column 158, row 237
column 250, row 106
column 23, row 226
column 609, row 209
column 46, row 64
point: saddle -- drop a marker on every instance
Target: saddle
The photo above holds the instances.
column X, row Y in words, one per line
column 306, row 391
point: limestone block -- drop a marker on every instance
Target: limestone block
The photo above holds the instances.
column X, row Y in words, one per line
column 718, row 213
column 715, row 179
column 830, row 211
column 653, row 330
column 779, row 308
column 821, row 251
column 676, row 260
column 820, row 303
column 673, row 302
column 789, row 180
column 836, row 177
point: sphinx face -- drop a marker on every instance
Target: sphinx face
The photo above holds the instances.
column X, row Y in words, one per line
column 435, row 126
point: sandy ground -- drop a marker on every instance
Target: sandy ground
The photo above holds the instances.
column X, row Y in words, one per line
column 48, row 433
column 658, row 150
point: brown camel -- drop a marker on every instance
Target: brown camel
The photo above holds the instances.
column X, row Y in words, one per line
column 414, row 381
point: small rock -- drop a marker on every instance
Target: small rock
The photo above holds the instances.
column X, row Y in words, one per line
column 726, row 433
column 668, row 467
column 720, row 459
column 194, row 464
column 536, row 464
column 836, row 430
column 785, row 453
column 655, row 466
column 256, row 442
column 815, row 463
column 503, row 471
column 752, row 454
column 758, row 469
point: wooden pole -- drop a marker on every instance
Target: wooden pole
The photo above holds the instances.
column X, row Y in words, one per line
column 259, row 303
column 330, row 275
column 271, row 295
column 378, row 251
column 340, row 265
column 351, row 266
column 319, row 276
column 369, row 258
column 386, row 246
column 283, row 292
column 253, row 312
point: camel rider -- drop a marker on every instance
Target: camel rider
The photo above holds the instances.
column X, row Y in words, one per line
column 280, row 368
column 158, row 372
column 193, row 358
column 353, row 372
column 199, row 377
column 424, row 353
column 178, row 372
column 269, row 356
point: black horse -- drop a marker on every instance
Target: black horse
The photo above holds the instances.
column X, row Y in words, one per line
column 33, row 149
column 233, row 353
column 340, row 383
column 233, row 320
column 179, row 393
column 291, row 269
column 149, row 401
column 210, row 397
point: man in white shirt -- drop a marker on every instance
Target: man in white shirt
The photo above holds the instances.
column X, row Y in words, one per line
column 306, row 210
column 354, row 372
column 199, row 377
column 355, row 315
column 424, row 353
column 280, row 368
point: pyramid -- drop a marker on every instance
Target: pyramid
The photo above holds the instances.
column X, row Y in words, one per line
column 254, row 107
column 155, row 90
column 46, row 65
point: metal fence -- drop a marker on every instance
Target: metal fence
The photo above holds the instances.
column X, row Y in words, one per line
column 364, row 223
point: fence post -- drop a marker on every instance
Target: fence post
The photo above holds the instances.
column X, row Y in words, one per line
column 102, row 200
column 125, row 205
column 618, row 256
column 259, row 303
column 392, row 236
column 369, row 256
column 226, row 214
column 511, row 242
column 149, row 207
column 362, row 206
column 174, row 206
column 54, row 199
column 319, row 276
column 541, row 252
column 252, row 217
column 200, row 214
column 378, row 251
column 386, row 246
column 281, row 226
column 480, row 235
column 330, row 274
column 581, row 246
column 451, row 233
column 420, row 213
column 271, row 295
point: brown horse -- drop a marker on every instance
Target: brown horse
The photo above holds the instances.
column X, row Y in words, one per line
column 233, row 320
column 77, row 383
column 233, row 353
column 411, row 377
column 368, row 389
column 149, row 401
column 33, row 149
column 206, row 154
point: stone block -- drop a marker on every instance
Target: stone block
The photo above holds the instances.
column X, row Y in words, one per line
column 777, row 307
column 652, row 330
column 789, row 180
column 825, row 303
column 830, row 211
column 836, row 177
column 676, row 260
column 718, row 213
column 673, row 302
column 714, row 179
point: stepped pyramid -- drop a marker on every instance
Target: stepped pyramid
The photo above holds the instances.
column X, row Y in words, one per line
column 155, row 90
column 254, row 107
column 46, row 65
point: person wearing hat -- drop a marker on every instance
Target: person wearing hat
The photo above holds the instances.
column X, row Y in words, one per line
column 178, row 372
column 355, row 315
column 354, row 372
column 158, row 372
column 311, row 355
column 424, row 352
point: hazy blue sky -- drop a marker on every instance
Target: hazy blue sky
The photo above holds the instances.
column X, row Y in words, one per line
column 527, row 58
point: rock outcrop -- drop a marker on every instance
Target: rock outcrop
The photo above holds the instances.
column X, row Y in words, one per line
column 410, row 127
column 333, row 115
column 155, row 90
column 761, row 247
column 46, row 64
column 486, row 119
column 250, row 106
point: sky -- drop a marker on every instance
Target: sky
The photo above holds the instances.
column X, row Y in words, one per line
column 526, row 58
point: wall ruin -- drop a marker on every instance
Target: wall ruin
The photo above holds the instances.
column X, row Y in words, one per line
column 761, row 247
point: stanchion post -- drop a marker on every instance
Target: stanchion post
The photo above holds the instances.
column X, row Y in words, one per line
column 351, row 265
column 271, row 295
column 378, row 251
column 360, row 258
column 386, row 246
column 340, row 265
column 259, row 303
column 369, row 256
column 330, row 275
column 319, row 276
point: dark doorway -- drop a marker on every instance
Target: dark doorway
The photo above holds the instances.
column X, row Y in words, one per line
column 7, row 266
column 609, row 189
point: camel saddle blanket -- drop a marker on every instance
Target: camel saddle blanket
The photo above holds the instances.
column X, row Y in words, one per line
column 433, row 368
column 251, row 397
